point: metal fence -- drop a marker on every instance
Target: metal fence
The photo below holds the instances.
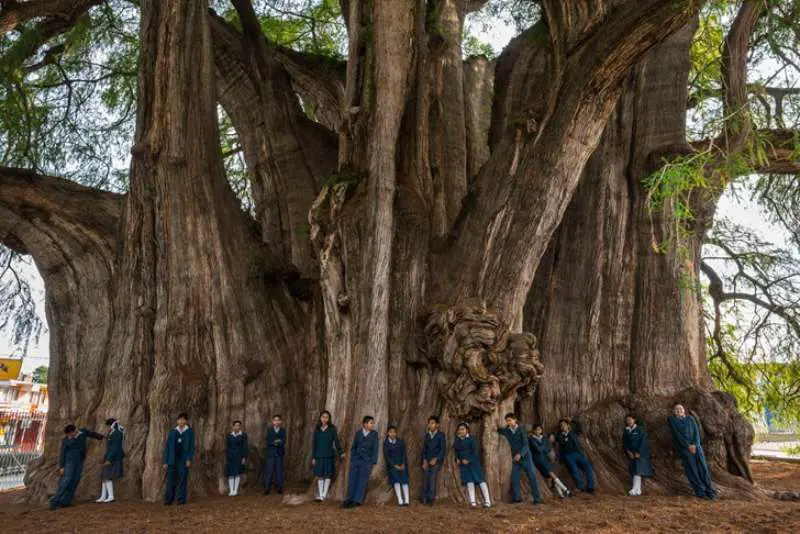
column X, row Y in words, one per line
column 21, row 441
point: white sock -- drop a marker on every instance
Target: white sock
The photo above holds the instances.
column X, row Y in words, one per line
column 560, row 487
column 109, row 490
column 103, row 492
column 230, row 486
column 320, row 489
column 326, row 487
column 485, row 490
column 637, row 485
column 236, row 481
column 399, row 492
column 405, row 493
column 471, row 492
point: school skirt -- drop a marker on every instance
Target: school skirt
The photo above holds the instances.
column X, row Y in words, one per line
column 543, row 464
column 324, row 467
column 113, row 471
column 234, row 467
column 397, row 477
column 471, row 473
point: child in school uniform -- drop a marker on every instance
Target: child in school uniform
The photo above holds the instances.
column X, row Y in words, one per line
column 686, row 439
column 325, row 447
column 571, row 453
column 636, row 446
column 235, row 457
column 433, row 450
column 541, row 454
column 469, row 465
column 521, row 458
column 363, row 457
column 394, row 452
column 178, row 457
column 275, row 445
column 112, row 460
column 70, row 464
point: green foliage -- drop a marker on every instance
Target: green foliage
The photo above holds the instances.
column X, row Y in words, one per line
column 40, row 375
column 792, row 451
column 313, row 26
column 472, row 46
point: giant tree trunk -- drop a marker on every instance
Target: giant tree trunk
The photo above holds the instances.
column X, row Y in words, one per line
column 427, row 235
column 619, row 322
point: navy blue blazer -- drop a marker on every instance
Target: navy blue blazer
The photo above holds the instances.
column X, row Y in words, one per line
column 365, row 448
column 73, row 450
column 179, row 446
column 467, row 449
column 568, row 442
column 114, row 452
column 635, row 441
column 395, row 453
column 325, row 443
column 276, row 442
column 539, row 447
column 684, row 433
column 517, row 440
column 434, row 447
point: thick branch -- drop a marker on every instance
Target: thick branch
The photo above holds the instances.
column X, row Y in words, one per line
column 288, row 156
column 738, row 122
column 528, row 181
column 56, row 17
column 54, row 205
column 12, row 14
column 780, row 154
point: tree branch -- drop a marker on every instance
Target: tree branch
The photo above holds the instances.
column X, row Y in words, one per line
column 719, row 295
column 525, row 186
column 288, row 156
column 42, row 214
column 58, row 16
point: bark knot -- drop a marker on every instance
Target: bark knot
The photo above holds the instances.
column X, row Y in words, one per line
column 479, row 363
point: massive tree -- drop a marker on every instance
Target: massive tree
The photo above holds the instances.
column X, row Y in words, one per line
column 427, row 235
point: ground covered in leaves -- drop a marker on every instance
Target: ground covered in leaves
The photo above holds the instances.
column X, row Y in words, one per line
column 258, row 513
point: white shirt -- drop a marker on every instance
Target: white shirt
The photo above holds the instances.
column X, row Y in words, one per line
column 432, row 434
column 365, row 432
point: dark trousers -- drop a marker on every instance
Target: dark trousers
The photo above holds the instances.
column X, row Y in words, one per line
column 177, row 479
column 430, row 477
column 357, row 481
column 696, row 469
column 67, row 484
column 274, row 472
column 517, row 468
column 574, row 461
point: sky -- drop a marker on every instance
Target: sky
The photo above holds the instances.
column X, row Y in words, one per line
column 741, row 212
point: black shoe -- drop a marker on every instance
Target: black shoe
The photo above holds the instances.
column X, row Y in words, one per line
column 346, row 504
column 516, row 501
column 53, row 506
column 280, row 491
column 167, row 503
column 537, row 502
column 266, row 492
column 591, row 491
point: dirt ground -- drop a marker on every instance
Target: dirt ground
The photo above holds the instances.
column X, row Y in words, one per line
column 258, row 513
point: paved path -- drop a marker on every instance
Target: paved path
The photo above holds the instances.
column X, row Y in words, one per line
column 775, row 449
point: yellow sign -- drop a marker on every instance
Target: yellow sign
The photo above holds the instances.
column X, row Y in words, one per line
column 10, row 368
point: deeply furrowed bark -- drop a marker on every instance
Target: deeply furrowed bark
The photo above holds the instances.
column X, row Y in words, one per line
column 615, row 337
column 422, row 279
column 70, row 232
